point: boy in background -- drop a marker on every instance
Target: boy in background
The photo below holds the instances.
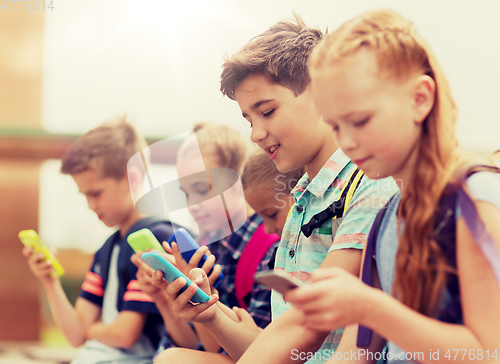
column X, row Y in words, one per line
column 112, row 316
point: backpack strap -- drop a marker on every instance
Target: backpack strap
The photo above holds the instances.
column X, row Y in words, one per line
column 249, row 260
column 364, row 333
column 338, row 208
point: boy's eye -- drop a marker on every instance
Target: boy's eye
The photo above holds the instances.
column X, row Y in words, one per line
column 335, row 128
column 273, row 215
column 269, row 113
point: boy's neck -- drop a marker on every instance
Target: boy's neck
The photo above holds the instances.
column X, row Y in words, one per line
column 320, row 159
column 132, row 218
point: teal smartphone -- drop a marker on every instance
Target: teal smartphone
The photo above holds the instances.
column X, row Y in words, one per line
column 31, row 238
column 142, row 240
column 170, row 272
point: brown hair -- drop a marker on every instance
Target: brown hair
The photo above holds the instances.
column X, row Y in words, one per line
column 280, row 53
column 228, row 144
column 260, row 171
column 421, row 266
column 106, row 149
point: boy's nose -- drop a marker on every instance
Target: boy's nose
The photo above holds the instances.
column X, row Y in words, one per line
column 269, row 228
column 258, row 133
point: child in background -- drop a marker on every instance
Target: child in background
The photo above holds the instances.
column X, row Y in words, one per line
column 267, row 190
column 112, row 316
column 269, row 79
column 381, row 89
column 223, row 149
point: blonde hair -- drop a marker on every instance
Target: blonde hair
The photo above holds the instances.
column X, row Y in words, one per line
column 280, row 53
column 421, row 266
column 229, row 145
column 105, row 149
column 261, row 172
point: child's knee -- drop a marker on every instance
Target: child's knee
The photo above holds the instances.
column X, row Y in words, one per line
column 172, row 355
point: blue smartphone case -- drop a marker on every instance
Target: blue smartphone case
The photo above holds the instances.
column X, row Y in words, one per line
column 156, row 261
column 188, row 246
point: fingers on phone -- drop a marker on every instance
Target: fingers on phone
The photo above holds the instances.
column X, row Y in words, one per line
column 209, row 263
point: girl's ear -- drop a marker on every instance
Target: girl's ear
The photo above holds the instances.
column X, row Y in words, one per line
column 424, row 96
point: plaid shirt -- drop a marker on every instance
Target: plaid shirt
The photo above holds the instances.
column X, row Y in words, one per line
column 300, row 256
column 228, row 251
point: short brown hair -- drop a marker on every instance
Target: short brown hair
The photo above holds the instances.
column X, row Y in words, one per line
column 260, row 171
column 106, row 149
column 280, row 53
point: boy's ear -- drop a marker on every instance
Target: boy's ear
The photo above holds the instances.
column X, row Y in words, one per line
column 135, row 178
column 424, row 97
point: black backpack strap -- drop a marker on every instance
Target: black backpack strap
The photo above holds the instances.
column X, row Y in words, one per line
column 336, row 209
column 364, row 333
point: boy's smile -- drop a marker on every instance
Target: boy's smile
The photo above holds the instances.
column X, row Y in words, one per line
column 288, row 128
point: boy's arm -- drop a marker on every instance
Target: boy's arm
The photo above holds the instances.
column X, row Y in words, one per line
column 293, row 336
column 73, row 321
column 122, row 332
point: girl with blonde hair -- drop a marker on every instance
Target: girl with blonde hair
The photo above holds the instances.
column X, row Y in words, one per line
column 380, row 87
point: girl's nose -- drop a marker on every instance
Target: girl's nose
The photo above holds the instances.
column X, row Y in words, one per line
column 347, row 140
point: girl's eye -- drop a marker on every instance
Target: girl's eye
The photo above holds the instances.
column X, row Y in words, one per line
column 203, row 191
column 273, row 215
column 335, row 128
column 362, row 122
column 269, row 113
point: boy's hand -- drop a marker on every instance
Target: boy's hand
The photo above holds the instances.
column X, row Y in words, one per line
column 144, row 278
column 246, row 320
column 39, row 265
column 202, row 312
column 185, row 267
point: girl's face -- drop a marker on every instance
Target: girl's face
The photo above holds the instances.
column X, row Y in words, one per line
column 203, row 201
column 273, row 206
column 377, row 120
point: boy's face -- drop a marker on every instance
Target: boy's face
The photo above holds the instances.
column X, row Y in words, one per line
column 288, row 128
column 272, row 205
column 108, row 198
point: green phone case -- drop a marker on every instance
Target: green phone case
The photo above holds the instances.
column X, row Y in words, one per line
column 144, row 239
column 31, row 238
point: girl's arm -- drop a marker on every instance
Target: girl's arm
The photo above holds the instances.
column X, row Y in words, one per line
column 415, row 333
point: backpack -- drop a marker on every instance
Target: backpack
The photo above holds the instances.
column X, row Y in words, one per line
column 338, row 208
column 249, row 260
column 444, row 229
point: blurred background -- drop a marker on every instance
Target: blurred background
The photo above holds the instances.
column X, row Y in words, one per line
column 66, row 66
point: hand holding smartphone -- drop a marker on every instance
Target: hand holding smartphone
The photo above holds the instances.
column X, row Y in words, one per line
column 170, row 272
column 277, row 280
column 31, row 238
column 188, row 246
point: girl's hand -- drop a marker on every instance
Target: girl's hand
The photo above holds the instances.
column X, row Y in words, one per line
column 39, row 265
column 333, row 299
column 202, row 312
column 246, row 320
column 185, row 267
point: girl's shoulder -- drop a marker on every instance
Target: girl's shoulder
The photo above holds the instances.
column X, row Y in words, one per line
column 485, row 186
